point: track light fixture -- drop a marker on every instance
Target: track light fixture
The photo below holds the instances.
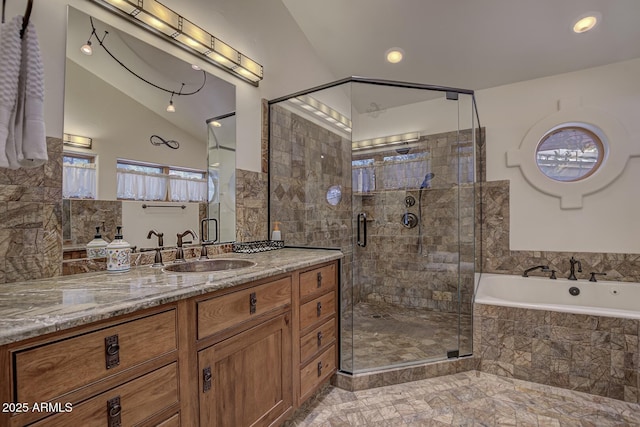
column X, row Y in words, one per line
column 88, row 50
column 160, row 20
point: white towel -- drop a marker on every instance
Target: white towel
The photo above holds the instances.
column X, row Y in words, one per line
column 25, row 144
column 10, row 55
column 31, row 148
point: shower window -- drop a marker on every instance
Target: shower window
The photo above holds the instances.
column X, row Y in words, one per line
column 363, row 177
column 405, row 170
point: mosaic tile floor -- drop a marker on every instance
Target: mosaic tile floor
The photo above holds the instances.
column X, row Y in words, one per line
column 386, row 335
column 465, row 399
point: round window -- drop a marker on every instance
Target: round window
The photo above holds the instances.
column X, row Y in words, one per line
column 570, row 153
column 334, row 195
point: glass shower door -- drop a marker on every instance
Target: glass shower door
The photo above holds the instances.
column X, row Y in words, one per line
column 383, row 171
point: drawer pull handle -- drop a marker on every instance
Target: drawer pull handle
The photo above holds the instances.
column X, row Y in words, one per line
column 320, row 336
column 114, row 411
column 319, row 309
column 253, row 302
column 112, row 351
column 320, row 368
column 319, row 279
column 206, row 379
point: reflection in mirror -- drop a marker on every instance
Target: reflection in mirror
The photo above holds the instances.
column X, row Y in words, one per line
column 222, row 176
column 121, row 110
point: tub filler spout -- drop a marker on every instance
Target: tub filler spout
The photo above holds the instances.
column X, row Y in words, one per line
column 544, row 268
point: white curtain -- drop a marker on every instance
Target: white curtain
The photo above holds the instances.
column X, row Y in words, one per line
column 79, row 180
column 187, row 189
column 134, row 185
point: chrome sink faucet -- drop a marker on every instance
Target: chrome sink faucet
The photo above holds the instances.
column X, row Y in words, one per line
column 179, row 252
column 572, row 269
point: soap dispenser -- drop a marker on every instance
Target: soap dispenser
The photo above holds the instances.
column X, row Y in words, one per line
column 276, row 234
column 97, row 248
column 118, row 253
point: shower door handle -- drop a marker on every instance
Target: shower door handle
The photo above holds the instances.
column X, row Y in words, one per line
column 362, row 223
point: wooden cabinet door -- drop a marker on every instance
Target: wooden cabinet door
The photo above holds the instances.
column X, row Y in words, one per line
column 246, row 379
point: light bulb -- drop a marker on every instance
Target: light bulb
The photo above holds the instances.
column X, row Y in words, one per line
column 394, row 55
column 171, row 108
column 86, row 48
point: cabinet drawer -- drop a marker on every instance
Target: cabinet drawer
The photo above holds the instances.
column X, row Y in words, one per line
column 317, row 339
column 317, row 371
column 219, row 313
column 48, row 371
column 319, row 280
column 174, row 421
column 139, row 399
column 317, row 310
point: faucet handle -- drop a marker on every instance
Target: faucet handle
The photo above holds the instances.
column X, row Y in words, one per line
column 553, row 275
column 593, row 276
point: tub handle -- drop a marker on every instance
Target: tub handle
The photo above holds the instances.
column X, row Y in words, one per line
column 593, row 276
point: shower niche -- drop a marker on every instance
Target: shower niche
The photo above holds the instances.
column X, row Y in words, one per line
column 403, row 156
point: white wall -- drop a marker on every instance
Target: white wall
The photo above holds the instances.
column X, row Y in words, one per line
column 136, row 222
column 609, row 220
column 93, row 106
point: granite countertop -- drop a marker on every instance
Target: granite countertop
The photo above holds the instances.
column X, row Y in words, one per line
column 37, row 307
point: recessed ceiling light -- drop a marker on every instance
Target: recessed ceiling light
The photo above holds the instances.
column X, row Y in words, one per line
column 216, row 124
column 195, row 67
column 587, row 22
column 394, row 55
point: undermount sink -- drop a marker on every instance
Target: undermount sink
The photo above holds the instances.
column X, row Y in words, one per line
column 209, row 265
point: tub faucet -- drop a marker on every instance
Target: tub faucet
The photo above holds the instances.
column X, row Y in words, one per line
column 529, row 270
column 179, row 252
column 572, row 270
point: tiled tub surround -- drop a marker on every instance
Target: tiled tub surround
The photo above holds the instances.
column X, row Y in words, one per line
column 34, row 308
column 594, row 354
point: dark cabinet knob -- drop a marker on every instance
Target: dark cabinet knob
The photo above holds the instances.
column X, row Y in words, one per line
column 319, row 279
column 319, row 309
column 320, row 336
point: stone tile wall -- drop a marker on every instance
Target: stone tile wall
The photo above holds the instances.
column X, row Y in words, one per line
column 593, row 354
column 85, row 215
column 31, row 219
column 251, row 206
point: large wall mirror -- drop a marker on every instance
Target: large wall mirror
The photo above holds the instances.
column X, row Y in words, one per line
column 120, row 110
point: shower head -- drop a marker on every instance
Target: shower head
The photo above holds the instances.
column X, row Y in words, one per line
column 403, row 150
column 427, row 180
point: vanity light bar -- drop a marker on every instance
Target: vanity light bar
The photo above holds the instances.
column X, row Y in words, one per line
column 386, row 140
column 323, row 111
column 155, row 16
column 76, row 141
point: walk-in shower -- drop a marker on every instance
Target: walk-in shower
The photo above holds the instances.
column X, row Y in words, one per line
column 384, row 171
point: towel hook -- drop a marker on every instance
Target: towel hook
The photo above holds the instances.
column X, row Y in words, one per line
column 25, row 19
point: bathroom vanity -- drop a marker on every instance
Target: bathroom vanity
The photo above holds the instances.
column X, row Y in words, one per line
column 154, row 348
